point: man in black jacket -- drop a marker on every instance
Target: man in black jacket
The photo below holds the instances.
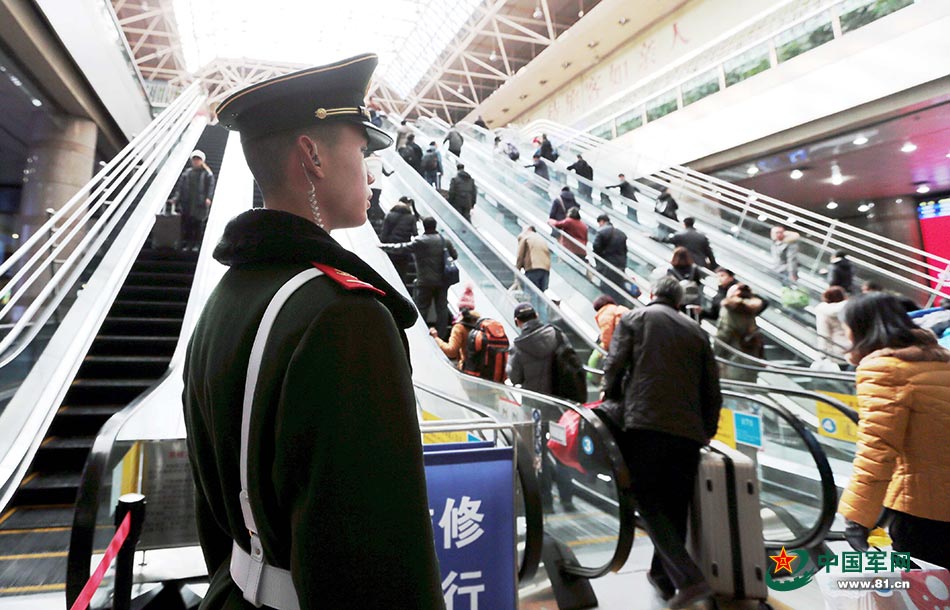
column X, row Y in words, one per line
column 727, row 279
column 412, row 153
column 462, row 192
column 695, row 241
column 193, row 194
column 628, row 191
column 531, row 365
column 325, row 490
column 430, row 289
column 583, row 169
column 660, row 369
column 610, row 244
column 841, row 272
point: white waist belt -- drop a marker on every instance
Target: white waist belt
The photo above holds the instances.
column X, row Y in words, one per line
column 263, row 585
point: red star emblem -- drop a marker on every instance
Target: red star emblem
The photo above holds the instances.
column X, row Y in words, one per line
column 783, row 561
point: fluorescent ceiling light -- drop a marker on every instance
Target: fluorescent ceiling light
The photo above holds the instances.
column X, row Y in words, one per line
column 908, row 147
column 408, row 35
column 859, row 141
column 37, row 102
column 863, row 207
column 832, row 205
column 796, row 174
column 837, row 179
column 752, row 170
column 923, row 188
column 898, row 200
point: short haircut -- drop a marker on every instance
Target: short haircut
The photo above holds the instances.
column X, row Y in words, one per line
column 621, row 176
column 429, row 224
column 681, row 257
column 460, row 166
column 689, row 222
column 602, row 301
column 878, row 320
column 432, row 143
column 574, row 213
column 566, row 189
column 872, row 286
column 266, row 155
column 669, row 289
column 403, row 122
column 724, row 270
column 411, row 137
column 603, row 218
column 841, row 253
column 536, row 156
column 833, row 294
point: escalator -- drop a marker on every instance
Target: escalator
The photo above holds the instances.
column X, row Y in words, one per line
column 127, row 352
column 791, row 335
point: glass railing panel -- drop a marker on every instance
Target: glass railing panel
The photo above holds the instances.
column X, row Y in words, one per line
column 661, row 105
column 628, row 121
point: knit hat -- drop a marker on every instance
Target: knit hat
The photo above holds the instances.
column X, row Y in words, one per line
column 467, row 300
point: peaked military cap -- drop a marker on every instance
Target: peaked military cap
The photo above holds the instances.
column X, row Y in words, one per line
column 306, row 98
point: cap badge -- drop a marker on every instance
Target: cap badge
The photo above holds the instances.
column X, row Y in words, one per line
column 321, row 113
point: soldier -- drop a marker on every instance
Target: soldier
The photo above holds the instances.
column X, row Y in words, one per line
column 303, row 438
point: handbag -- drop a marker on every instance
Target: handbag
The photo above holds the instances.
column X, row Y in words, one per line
column 450, row 271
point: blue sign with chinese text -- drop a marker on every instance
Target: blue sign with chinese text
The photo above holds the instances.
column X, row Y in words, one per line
column 471, row 501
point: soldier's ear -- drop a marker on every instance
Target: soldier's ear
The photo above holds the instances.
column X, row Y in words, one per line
column 307, row 152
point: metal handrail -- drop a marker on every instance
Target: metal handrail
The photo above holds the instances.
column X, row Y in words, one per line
column 65, row 275
column 765, row 364
column 855, row 234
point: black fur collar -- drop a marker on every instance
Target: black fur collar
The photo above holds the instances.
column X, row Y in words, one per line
column 272, row 236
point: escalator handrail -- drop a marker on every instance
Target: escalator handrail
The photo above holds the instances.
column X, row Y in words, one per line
column 831, row 401
column 764, row 364
column 110, row 167
column 55, row 242
column 621, row 477
column 34, row 320
column 780, row 208
column 95, row 472
column 829, row 491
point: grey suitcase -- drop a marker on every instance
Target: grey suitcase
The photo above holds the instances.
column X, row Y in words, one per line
column 725, row 536
column 166, row 234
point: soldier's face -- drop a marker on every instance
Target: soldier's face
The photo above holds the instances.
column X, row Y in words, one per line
column 345, row 187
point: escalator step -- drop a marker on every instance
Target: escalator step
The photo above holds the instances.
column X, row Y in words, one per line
column 82, row 420
column 24, row 542
column 54, row 443
column 118, row 325
column 27, row 517
column 163, row 266
column 160, row 279
column 151, row 254
column 106, row 391
column 49, row 488
column 123, row 367
column 108, row 345
column 153, row 309
column 157, row 293
column 24, row 575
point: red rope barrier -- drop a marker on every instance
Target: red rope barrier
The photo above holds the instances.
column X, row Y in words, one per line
column 121, row 533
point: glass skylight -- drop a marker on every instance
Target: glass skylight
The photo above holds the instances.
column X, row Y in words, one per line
column 408, row 35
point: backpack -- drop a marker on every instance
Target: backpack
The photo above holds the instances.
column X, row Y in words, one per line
column 486, row 351
column 430, row 162
column 406, row 153
column 512, row 151
column 568, row 375
column 692, row 292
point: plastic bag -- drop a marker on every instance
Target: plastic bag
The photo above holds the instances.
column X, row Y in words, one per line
column 794, row 298
column 925, row 586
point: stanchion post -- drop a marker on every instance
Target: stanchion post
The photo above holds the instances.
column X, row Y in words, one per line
column 135, row 504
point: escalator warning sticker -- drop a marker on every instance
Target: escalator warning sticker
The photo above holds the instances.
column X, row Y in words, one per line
column 727, row 428
column 834, row 424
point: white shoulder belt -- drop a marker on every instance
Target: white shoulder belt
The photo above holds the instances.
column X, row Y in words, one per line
column 262, row 584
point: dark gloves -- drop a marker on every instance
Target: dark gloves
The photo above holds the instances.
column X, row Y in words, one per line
column 856, row 535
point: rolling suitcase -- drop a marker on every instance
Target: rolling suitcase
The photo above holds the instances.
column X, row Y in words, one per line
column 166, row 233
column 725, row 536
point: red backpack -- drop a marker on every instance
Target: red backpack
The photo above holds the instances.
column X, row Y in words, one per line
column 486, row 350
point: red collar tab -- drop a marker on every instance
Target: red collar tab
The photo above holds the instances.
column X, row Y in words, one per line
column 347, row 280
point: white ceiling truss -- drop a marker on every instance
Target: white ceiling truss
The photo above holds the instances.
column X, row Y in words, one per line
column 501, row 37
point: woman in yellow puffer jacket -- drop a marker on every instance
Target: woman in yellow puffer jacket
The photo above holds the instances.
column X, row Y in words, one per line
column 903, row 452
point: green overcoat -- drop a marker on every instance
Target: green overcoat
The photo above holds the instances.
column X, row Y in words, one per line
column 335, row 471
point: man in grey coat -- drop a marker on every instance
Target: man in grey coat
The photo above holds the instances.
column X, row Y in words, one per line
column 696, row 242
column 662, row 379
